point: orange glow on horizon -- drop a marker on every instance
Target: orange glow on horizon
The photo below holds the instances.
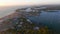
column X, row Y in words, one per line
column 27, row 2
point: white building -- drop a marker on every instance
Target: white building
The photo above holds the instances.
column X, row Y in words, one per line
column 36, row 28
column 28, row 10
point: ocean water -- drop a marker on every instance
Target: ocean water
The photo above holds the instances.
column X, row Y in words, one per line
column 51, row 19
column 4, row 11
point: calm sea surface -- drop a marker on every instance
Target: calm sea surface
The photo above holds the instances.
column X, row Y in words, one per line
column 51, row 19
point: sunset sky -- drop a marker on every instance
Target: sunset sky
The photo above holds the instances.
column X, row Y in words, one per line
column 27, row 2
column 5, row 11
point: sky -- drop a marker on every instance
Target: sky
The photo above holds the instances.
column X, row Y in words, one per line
column 6, row 11
column 27, row 2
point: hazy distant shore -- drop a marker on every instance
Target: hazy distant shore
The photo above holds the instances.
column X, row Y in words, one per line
column 4, row 11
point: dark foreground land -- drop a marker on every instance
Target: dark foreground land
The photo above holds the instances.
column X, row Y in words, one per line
column 25, row 26
column 20, row 24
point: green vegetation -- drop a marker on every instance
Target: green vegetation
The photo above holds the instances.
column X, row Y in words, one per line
column 25, row 26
